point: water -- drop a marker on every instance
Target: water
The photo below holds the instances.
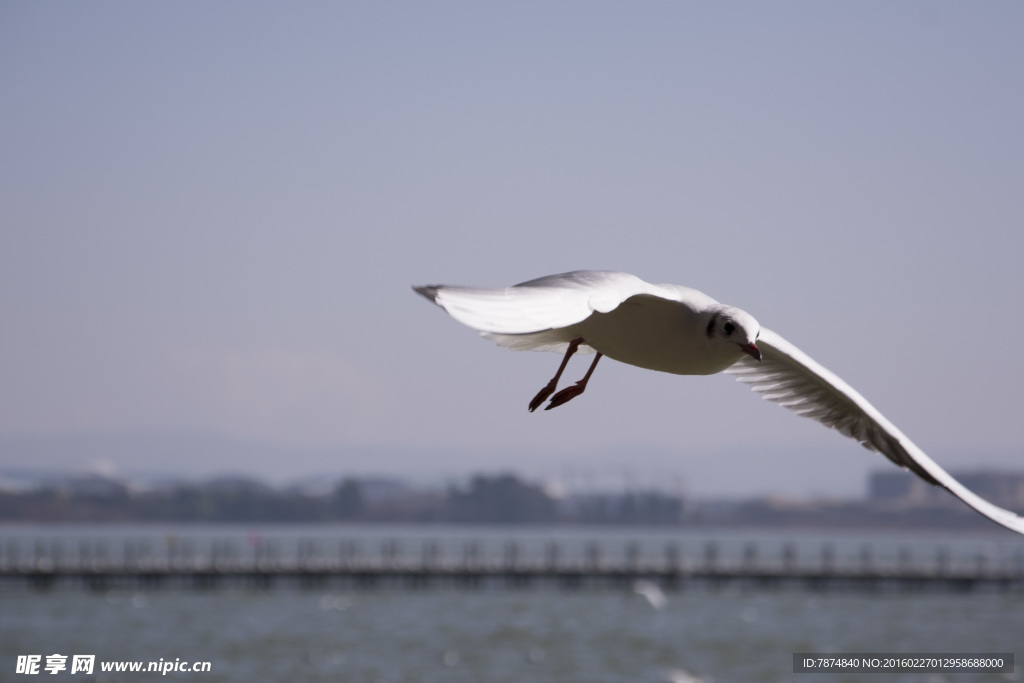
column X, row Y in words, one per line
column 494, row 635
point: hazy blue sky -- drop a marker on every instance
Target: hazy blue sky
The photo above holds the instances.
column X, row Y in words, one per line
column 211, row 214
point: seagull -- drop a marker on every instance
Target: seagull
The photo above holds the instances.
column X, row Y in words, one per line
column 651, row 592
column 671, row 328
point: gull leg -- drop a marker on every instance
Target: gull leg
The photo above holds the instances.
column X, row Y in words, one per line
column 569, row 393
column 550, row 387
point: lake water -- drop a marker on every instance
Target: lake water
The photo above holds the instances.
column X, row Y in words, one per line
column 537, row 634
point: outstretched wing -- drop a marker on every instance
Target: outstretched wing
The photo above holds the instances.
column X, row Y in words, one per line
column 791, row 378
column 543, row 304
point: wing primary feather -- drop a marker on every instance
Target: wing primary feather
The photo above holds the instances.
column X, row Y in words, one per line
column 791, row 378
column 546, row 303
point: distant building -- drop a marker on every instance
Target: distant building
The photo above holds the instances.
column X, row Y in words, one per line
column 1005, row 489
column 898, row 486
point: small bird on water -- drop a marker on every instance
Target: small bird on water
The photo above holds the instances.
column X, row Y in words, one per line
column 670, row 328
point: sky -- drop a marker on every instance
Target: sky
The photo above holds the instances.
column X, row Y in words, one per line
column 211, row 215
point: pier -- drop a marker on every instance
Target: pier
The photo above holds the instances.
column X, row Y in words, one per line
column 105, row 564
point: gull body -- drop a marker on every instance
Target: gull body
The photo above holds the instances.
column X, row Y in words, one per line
column 651, row 592
column 675, row 329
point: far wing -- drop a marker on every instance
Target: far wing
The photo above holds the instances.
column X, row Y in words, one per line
column 545, row 303
column 791, row 378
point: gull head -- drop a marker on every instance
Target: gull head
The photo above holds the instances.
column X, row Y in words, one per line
column 733, row 329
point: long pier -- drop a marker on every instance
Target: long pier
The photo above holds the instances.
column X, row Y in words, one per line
column 97, row 566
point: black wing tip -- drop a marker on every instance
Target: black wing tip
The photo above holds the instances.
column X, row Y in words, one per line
column 427, row 291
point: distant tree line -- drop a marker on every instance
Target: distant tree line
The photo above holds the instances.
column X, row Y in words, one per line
column 498, row 499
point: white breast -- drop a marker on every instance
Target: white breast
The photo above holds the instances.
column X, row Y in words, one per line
column 657, row 334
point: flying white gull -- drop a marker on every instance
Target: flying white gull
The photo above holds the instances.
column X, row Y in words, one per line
column 651, row 592
column 676, row 329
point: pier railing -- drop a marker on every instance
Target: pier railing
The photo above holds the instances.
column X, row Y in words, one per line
column 208, row 563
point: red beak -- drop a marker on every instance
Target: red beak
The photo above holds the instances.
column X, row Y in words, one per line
column 751, row 350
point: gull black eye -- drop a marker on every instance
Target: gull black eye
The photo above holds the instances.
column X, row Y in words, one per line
column 729, row 328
